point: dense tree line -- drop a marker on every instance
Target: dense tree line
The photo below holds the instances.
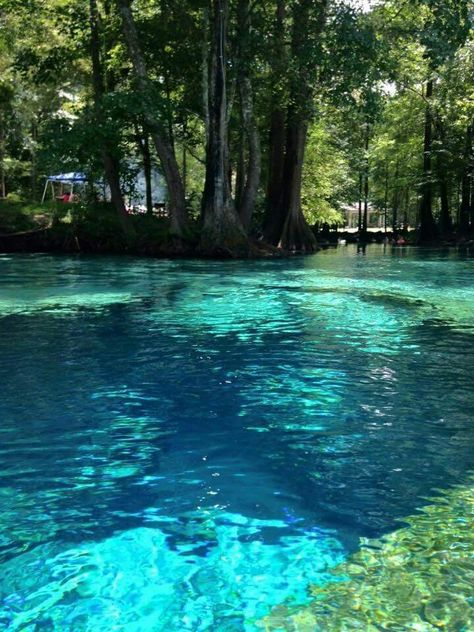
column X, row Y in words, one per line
column 264, row 117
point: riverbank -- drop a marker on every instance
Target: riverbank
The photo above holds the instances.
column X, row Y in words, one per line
column 62, row 228
column 71, row 229
column 73, row 239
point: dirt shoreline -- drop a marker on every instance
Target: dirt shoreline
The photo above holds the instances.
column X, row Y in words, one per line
column 49, row 240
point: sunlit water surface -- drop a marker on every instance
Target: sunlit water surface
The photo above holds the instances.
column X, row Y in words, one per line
column 185, row 444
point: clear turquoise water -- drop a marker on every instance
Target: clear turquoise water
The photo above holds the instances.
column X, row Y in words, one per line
column 184, row 445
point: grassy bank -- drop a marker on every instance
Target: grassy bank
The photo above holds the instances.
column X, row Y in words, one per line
column 17, row 215
column 60, row 227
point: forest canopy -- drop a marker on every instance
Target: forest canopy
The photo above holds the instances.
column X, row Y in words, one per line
column 266, row 120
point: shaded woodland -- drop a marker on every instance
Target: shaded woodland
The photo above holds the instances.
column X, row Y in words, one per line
column 266, row 119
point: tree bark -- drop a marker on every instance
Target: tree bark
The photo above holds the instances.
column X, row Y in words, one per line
column 252, row 177
column 252, row 180
column 158, row 132
column 296, row 234
column 241, row 165
column 275, row 214
column 109, row 160
column 205, row 71
column 222, row 232
column 427, row 224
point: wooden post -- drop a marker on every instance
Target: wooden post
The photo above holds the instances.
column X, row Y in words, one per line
column 45, row 191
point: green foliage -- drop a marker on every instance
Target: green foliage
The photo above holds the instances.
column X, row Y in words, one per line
column 417, row 578
column 395, row 156
column 17, row 215
column 361, row 68
column 98, row 224
column 94, row 224
column 326, row 177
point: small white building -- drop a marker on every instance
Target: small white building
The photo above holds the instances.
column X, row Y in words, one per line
column 375, row 218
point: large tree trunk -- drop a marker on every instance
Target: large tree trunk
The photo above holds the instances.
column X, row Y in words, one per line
column 164, row 146
column 109, row 160
column 427, row 224
column 252, row 177
column 252, row 180
column 465, row 209
column 222, row 231
column 275, row 214
column 241, row 165
column 296, row 235
column 205, row 71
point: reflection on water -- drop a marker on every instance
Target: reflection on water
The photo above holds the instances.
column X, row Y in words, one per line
column 204, row 440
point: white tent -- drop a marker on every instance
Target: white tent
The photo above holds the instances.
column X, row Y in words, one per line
column 75, row 177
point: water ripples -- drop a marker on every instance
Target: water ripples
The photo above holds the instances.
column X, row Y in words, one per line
column 273, row 412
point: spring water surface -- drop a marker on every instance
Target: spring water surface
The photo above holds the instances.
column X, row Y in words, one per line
column 186, row 444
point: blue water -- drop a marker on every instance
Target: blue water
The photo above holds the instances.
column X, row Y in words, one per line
column 186, row 444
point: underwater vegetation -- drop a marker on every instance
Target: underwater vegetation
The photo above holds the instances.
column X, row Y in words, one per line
column 418, row 578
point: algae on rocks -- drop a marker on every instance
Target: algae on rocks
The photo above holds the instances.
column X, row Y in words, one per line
column 420, row 577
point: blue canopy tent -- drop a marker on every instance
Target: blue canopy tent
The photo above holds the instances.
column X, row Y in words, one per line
column 75, row 177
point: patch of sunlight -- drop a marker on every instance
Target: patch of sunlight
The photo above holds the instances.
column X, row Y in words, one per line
column 419, row 578
column 63, row 304
column 217, row 574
